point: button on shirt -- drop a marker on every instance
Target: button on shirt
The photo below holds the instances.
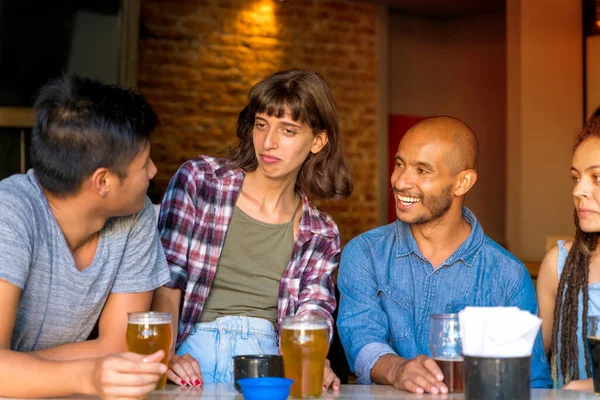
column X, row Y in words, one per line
column 389, row 290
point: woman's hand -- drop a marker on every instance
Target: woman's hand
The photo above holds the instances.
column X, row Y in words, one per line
column 581, row 385
column 330, row 378
column 185, row 370
column 126, row 375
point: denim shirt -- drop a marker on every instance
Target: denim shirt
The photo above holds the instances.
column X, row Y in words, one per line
column 388, row 291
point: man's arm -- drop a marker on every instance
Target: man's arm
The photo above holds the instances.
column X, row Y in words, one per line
column 58, row 379
column 523, row 297
column 167, row 300
column 24, row 375
column 363, row 327
column 111, row 332
column 43, row 378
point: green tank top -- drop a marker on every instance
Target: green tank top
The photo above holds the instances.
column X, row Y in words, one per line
column 254, row 257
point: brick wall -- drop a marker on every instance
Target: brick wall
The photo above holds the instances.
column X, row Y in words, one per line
column 199, row 58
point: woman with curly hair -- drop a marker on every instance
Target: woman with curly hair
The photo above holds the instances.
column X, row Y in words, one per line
column 568, row 285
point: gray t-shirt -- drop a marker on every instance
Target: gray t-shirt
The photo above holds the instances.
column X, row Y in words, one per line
column 60, row 304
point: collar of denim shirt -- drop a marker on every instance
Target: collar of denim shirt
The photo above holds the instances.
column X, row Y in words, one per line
column 466, row 252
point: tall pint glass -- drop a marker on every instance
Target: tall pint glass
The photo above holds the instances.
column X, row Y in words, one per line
column 304, row 344
column 446, row 349
column 148, row 332
column 593, row 336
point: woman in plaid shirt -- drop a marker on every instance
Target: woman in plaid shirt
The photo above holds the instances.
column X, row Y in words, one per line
column 244, row 244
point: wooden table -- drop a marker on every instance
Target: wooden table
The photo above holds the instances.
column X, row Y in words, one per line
column 226, row 391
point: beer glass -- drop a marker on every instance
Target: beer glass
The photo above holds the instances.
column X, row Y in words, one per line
column 593, row 335
column 446, row 349
column 304, row 344
column 148, row 332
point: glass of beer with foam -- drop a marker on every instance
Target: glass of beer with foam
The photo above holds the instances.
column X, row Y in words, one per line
column 304, row 344
column 446, row 349
column 148, row 332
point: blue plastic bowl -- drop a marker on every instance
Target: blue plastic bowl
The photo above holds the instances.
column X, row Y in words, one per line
column 265, row 388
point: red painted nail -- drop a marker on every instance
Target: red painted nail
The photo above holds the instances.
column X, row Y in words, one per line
column 182, row 383
column 198, row 383
column 324, row 386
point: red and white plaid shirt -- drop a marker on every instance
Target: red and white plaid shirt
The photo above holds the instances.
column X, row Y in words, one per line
column 194, row 217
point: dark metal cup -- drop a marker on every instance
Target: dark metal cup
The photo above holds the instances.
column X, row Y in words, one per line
column 256, row 366
column 593, row 336
column 497, row 378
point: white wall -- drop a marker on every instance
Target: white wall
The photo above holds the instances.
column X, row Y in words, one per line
column 382, row 111
column 544, row 111
column 457, row 68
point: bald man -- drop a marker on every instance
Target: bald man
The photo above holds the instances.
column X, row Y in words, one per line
column 433, row 259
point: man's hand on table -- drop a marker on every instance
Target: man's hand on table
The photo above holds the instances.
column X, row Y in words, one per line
column 126, row 375
column 419, row 375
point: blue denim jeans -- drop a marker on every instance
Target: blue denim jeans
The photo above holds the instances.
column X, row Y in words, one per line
column 213, row 344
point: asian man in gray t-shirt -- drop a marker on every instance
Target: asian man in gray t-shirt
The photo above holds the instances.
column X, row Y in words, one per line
column 78, row 244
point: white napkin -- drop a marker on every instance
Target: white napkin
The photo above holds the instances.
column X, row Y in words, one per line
column 497, row 331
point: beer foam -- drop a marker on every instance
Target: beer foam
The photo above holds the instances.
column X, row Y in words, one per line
column 304, row 326
column 449, row 359
column 154, row 318
column 149, row 321
column 594, row 337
